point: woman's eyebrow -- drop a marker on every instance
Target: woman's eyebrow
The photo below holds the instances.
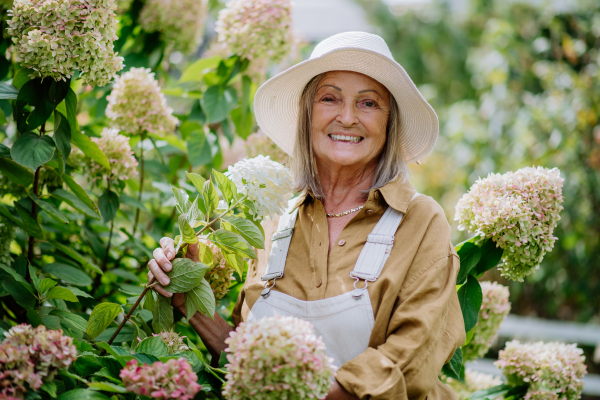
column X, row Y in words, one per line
column 335, row 87
column 370, row 90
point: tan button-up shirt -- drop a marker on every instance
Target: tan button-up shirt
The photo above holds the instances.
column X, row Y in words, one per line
column 418, row 321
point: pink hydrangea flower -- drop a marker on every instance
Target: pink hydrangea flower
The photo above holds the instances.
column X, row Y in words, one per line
column 173, row 379
column 277, row 358
column 29, row 357
column 554, row 371
column 519, row 211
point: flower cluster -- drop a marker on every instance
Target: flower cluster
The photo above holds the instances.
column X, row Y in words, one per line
column 554, row 371
column 266, row 183
column 180, row 22
column 118, row 151
column 257, row 29
column 173, row 341
column 519, row 211
column 7, row 235
column 494, row 308
column 56, row 37
column 173, row 379
column 29, row 357
column 474, row 381
column 277, row 358
column 137, row 105
column 220, row 273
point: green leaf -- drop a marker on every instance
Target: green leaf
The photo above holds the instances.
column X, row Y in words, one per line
column 50, row 388
column 6, row 214
column 31, row 150
column 132, row 201
column 236, row 261
column 185, row 275
column 182, row 200
column 145, row 358
column 107, row 387
column 109, row 204
column 63, row 293
column 205, row 254
column 75, row 202
column 62, row 135
column 162, row 315
column 470, row 297
column 201, row 298
column 82, row 394
column 187, row 233
column 453, row 367
column 490, row 257
column 231, row 242
column 218, row 102
column 46, row 285
column 469, row 254
column 226, row 186
column 104, row 373
column 80, row 192
column 34, row 93
column 35, row 279
column 31, row 225
column 152, row 345
column 16, row 172
column 80, row 293
column 19, row 292
column 195, row 72
column 71, row 108
column 197, row 181
column 71, row 319
column 125, row 335
column 8, row 91
column 149, row 302
column 33, row 316
column 21, row 77
column 247, row 230
column 85, row 365
column 58, row 91
column 492, row 393
column 190, row 356
column 49, row 208
column 16, row 276
column 67, row 273
column 102, row 316
column 199, row 152
column 89, row 148
column 211, row 197
column 74, row 255
column 223, row 359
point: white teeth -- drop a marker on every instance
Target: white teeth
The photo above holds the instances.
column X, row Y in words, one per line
column 344, row 138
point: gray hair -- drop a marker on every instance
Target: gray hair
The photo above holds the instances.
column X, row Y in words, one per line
column 304, row 169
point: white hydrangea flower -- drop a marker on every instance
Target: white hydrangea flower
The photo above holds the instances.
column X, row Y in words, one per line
column 265, row 182
column 55, row 37
column 554, row 371
column 180, row 22
column 137, row 105
column 474, row 381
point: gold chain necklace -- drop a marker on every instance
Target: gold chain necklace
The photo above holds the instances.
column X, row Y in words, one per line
column 344, row 213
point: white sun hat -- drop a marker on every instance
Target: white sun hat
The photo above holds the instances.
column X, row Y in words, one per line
column 276, row 104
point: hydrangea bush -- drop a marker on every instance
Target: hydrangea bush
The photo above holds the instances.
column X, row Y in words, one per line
column 257, row 29
column 180, row 22
column 31, row 356
column 173, row 341
column 277, row 357
column 173, row 379
column 54, row 38
column 137, row 105
column 518, row 211
column 494, row 308
column 554, row 371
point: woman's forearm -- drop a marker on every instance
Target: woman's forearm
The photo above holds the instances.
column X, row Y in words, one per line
column 213, row 333
column 337, row 392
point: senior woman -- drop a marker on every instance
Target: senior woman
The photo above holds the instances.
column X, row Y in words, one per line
column 359, row 253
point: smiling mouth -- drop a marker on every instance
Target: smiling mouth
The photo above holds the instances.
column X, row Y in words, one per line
column 345, row 138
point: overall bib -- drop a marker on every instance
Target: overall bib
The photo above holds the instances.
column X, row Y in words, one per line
column 344, row 322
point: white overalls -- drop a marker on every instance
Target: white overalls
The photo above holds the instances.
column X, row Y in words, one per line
column 344, row 322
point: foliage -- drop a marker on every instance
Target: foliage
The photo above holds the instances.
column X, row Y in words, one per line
column 474, row 381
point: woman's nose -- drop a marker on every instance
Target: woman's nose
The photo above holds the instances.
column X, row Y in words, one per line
column 348, row 115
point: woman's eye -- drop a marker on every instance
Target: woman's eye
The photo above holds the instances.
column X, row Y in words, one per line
column 370, row 104
column 328, row 99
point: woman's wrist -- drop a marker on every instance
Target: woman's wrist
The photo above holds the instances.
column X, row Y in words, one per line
column 337, row 392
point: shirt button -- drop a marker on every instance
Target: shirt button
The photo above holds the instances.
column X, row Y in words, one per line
column 369, row 212
column 342, row 242
column 319, row 283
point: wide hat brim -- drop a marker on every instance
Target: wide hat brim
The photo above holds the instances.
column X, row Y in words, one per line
column 276, row 104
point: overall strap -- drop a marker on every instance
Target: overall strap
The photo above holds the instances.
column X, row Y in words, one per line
column 281, row 243
column 379, row 244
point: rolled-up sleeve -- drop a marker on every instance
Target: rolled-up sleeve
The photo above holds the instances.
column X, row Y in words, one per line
column 425, row 328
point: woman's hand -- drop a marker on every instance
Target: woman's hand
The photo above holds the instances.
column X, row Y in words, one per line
column 161, row 264
column 337, row 392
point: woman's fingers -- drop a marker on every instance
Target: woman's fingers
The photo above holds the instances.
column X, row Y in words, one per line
column 193, row 251
column 159, row 289
column 168, row 247
column 157, row 271
column 161, row 259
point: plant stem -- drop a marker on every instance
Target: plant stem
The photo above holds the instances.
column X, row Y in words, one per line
column 137, row 211
column 105, row 262
column 36, row 184
column 151, row 282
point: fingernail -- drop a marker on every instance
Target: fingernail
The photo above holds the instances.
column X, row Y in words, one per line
column 169, row 294
column 165, row 281
column 170, row 254
column 168, row 266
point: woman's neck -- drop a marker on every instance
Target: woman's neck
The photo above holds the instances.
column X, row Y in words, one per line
column 345, row 186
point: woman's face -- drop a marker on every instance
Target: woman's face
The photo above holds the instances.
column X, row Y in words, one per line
column 349, row 119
